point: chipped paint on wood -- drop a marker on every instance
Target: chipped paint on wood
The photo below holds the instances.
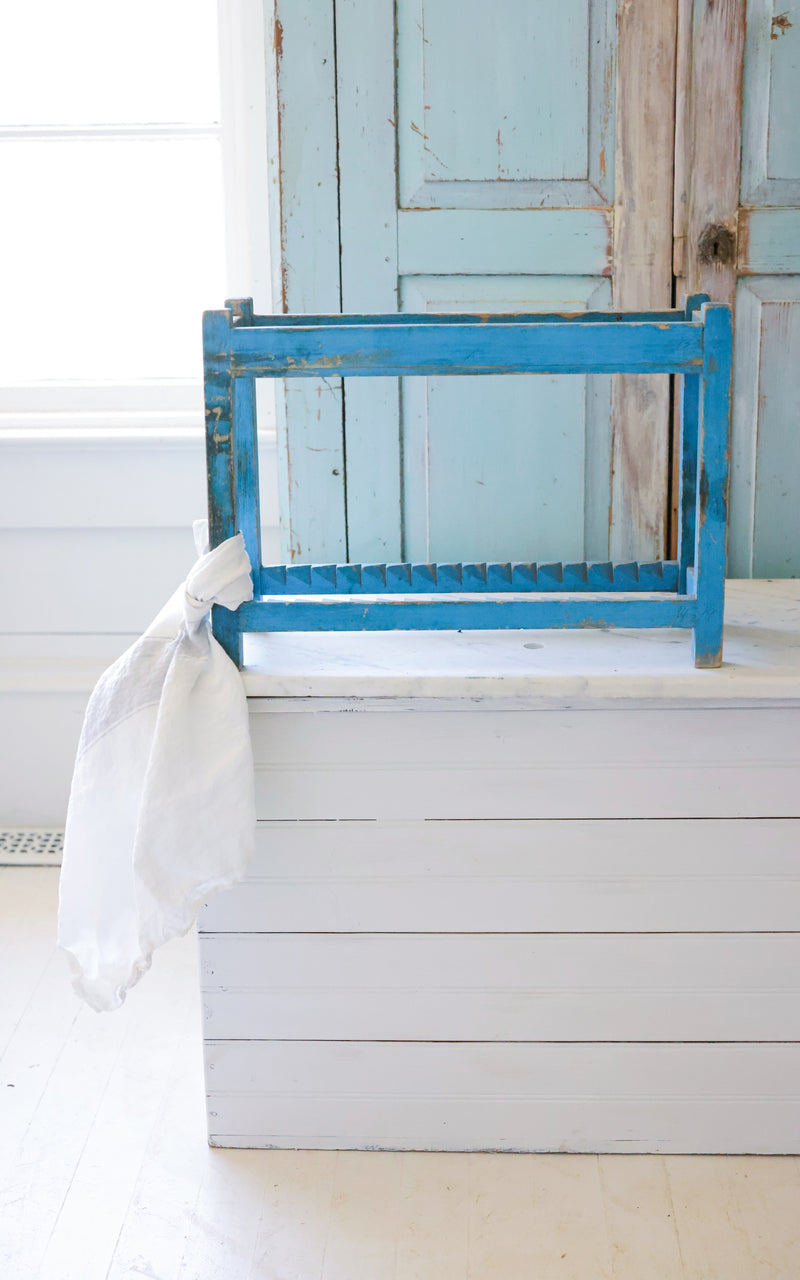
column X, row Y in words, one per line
column 366, row 104
column 482, row 577
column 331, row 613
column 304, row 216
column 521, row 345
column 558, row 595
column 642, row 269
column 708, row 143
column 765, row 495
column 769, row 242
column 708, row 122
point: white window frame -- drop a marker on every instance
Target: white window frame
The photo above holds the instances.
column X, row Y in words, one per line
column 173, row 407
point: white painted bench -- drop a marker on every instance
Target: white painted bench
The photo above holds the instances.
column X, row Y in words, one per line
column 517, row 891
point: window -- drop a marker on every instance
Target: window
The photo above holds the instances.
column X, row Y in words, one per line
column 111, row 227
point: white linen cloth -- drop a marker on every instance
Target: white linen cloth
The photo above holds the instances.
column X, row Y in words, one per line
column 161, row 812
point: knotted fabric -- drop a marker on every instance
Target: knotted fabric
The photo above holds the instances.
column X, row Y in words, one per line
column 161, row 812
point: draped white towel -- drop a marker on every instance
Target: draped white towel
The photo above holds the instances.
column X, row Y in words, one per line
column 161, row 812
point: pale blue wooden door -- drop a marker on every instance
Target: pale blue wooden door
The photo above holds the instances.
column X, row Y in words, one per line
column 477, row 177
column 765, row 488
column 472, row 162
column 737, row 228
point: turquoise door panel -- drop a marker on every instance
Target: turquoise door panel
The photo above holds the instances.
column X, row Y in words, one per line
column 506, row 468
column 770, row 138
column 513, row 487
column 764, row 539
column 505, row 109
column 764, row 530
column 538, row 242
column 445, row 155
column 783, row 146
column 476, row 158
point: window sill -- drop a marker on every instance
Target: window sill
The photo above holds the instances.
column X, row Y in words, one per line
column 106, row 430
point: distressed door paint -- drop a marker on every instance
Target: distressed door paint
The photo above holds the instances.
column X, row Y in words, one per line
column 483, row 163
column 737, row 238
column 477, row 173
column 304, row 231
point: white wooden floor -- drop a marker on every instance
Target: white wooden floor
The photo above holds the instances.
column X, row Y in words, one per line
column 105, row 1172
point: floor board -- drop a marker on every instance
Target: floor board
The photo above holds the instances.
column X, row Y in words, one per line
column 105, row 1173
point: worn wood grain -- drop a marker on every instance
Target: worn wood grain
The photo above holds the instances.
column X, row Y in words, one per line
column 518, row 346
column 708, row 145
column 304, row 215
column 642, row 270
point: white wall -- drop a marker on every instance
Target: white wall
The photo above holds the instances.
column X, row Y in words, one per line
column 96, row 525
column 95, row 534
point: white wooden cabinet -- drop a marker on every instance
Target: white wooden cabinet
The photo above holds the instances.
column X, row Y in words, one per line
column 517, row 898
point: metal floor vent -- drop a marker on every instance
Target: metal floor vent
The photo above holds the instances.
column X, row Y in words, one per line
column 31, row 846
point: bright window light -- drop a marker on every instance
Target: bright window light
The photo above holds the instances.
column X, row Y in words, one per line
column 111, row 223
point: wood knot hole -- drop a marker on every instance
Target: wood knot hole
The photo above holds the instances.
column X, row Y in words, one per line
column 717, row 246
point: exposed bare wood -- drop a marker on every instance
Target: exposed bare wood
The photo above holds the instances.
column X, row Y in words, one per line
column 708, row 145
column 708, row 120
column 642, row 268
column 683, row 73
column 683, row 76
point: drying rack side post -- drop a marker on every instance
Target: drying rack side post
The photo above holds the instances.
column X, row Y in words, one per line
column 222, row 524
column 712, row 485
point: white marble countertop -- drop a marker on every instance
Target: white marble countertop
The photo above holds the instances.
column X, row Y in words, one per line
column 761, row 660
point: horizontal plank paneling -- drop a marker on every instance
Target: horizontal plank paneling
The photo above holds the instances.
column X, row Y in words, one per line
column 622, row 1097
column 504, row 242
column 491, row 764
column 498, row 876
column 514, row 987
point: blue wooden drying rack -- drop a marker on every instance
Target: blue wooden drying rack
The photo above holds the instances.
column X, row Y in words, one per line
column 688, row 592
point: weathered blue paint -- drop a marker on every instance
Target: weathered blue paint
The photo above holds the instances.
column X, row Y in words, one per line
column 218, row 390
column 712, row 484
column 239, row 347
column 245, row 450
column 404, row 579
column 222, row 511
column 474, row 347
column 689, row 427
column 329, row 613
column 442, row 317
